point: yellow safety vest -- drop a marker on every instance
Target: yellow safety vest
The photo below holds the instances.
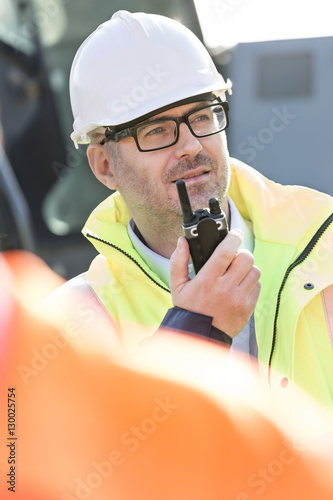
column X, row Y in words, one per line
column 293, row 228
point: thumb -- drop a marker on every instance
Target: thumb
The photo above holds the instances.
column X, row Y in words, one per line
column 179, row 265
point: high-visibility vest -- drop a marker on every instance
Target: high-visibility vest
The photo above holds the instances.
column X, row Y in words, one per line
column 293, row 230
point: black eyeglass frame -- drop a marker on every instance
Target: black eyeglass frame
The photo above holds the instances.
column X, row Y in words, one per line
column 116, row 136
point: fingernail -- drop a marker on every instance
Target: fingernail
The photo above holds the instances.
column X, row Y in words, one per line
column 180, row 244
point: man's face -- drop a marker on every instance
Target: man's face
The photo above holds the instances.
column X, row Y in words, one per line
column 147, row 180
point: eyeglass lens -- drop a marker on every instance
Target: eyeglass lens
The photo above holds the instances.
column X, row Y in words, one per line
column 162, row 133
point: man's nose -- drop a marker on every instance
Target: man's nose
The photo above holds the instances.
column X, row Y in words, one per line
column 187, row 144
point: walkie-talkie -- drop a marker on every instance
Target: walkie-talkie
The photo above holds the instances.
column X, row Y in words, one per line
column 204, row 229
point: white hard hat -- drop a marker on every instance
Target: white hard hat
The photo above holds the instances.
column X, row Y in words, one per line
column 135, row 64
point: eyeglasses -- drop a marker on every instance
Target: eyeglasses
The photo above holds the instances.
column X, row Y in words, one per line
column 164, row 132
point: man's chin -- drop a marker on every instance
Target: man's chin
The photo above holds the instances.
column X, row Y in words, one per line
column 199, row 197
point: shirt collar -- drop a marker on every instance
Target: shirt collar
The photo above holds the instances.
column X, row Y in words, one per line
column 161, row 265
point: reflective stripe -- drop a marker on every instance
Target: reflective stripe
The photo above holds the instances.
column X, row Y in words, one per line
column 327, row 296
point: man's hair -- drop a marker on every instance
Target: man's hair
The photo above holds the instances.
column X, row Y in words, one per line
column 97, row 135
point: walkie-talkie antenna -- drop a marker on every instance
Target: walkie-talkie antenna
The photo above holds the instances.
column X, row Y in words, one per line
column 188, row 215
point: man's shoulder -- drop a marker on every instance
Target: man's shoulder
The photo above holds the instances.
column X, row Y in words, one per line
column 246, row 175
column 256, row 194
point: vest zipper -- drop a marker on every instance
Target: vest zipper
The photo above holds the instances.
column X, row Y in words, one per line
column 305, row 253
column 93, row 236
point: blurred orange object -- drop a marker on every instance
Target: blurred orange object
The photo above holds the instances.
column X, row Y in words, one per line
column 176, row 422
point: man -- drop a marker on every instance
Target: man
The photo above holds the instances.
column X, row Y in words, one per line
column 147, row 97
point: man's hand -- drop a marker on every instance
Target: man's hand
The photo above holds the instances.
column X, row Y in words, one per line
column 226, row 288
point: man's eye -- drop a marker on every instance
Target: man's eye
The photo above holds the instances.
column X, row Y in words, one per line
column 201, row 118
column 155, row 131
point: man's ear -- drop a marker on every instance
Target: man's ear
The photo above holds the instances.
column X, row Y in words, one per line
column 98, row 158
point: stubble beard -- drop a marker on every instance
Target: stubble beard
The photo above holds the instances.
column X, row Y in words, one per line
column 200, row 193
column 156, row 215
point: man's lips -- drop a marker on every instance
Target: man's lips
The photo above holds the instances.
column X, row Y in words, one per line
column 194, row 174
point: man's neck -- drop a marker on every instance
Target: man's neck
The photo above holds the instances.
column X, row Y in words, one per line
column 163, row 242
